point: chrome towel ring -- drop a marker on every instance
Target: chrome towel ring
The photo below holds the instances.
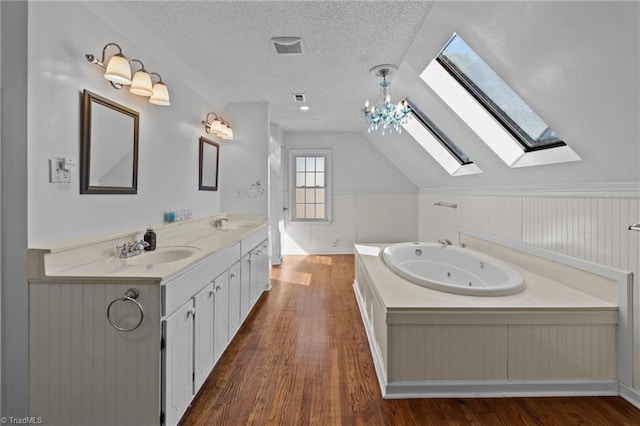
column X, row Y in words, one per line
column 130, row 295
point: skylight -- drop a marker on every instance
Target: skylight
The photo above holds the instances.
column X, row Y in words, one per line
column 492, row 109
column 437, row 144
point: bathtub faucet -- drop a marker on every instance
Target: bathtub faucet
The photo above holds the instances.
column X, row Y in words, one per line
column 444, row 242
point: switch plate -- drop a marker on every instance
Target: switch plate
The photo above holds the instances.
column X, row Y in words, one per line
column 56, row 173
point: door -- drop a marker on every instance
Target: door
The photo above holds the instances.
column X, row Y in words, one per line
column 221, row 315
column 234, row 300
column 204, row 303
column 245, row 286
column 177, row 363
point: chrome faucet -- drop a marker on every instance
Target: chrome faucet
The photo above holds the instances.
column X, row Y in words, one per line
column 444, row 242
column 132, row 249
column 217, row 222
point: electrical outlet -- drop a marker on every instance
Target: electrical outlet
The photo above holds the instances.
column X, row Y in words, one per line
column 56, row 173
column 335, row 242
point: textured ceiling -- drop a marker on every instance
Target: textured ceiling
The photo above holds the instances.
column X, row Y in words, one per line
column 228, row 44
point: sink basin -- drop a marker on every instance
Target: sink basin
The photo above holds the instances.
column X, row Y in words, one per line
column 163, row 255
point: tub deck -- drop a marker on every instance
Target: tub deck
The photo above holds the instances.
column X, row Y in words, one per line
column 551, row 339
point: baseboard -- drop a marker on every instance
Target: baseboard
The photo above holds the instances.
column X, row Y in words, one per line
column 499, row 388
column 630, row 394
column 319, row 252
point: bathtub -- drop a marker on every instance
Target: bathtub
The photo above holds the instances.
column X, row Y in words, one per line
column 452, row 269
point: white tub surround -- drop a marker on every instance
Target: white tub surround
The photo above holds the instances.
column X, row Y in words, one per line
column 84, row 371
column 550, row 339
column 452, row 269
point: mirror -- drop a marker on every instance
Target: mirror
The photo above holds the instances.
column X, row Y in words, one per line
column 108, row 147
column 209, row 155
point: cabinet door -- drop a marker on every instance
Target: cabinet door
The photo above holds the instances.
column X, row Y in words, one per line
column 221, row 315
column 204, row 303
column 234, row 300
column 245, row 287
column 257, row 259
column 177, row 363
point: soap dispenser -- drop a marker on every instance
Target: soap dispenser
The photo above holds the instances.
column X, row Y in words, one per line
column 150, row 238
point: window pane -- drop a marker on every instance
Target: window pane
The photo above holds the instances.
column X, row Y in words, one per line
column 299, row 195
column 311, row 164
column 319, row 164
column 496, row 96
column 300, row 211
column 320, row 196
column 320, row 179
column 300, row 162
column 319, row 211
column 299, row 179
column 310, row 211
column 311, row 179
column 310, row 197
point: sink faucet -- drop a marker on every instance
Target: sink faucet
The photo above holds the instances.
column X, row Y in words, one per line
column 444, row 242
column 132, row 249
column 217, row 222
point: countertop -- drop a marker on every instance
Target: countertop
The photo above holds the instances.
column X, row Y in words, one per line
column 98, row 260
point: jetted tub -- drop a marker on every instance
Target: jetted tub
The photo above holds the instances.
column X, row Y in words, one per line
column 452, row 269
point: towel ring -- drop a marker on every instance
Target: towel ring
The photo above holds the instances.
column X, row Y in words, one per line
column 130, row 295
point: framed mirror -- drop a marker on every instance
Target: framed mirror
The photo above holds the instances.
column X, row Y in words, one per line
column 209, row 158
column 108, row 147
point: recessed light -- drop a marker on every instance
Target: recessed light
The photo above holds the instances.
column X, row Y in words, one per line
column 304, row 107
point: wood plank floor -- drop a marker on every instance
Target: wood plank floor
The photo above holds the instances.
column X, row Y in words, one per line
column 302, row 358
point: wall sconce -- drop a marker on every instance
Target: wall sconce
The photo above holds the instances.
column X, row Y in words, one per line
column 118, row 72
column 218, row 126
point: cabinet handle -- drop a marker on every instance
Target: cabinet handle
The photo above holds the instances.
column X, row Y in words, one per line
column 233, row 275
column 218, row 287
column 248, row 260
column 191, row 313
column 258, row 252
column 211, row 294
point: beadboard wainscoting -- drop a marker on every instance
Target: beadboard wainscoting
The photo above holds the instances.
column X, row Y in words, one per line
column 581, row 225
column 356, row 217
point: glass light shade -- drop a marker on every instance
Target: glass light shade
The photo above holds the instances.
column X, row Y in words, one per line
column 228, row 135
column 118, row 70
column 141, row 84
column 215, row 127
column 160, row 95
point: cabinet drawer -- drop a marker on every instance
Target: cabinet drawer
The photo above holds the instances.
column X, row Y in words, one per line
column 181, row 288
column 249, row 243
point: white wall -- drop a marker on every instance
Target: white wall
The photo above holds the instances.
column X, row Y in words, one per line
column 372, row 200
column 244, row 160
column 587, row 226
column 60, row 34
column 13, row 179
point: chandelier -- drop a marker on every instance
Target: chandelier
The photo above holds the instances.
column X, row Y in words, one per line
column 387, row 116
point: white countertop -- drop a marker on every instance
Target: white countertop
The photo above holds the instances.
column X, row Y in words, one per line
column 541, row 292
column 99, row 261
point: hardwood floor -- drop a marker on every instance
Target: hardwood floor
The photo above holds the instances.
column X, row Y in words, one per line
column 302, row 358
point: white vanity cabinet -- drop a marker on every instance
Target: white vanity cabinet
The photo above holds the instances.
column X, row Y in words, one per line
column 234, row 299
column 85, row 371
column 221, row 315
column 177, row 363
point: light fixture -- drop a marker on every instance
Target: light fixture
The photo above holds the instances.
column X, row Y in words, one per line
column 218, row 127
column 388, row 116
column 141, row 82
column 118, row 72
column 160, row 94
column 304, row 107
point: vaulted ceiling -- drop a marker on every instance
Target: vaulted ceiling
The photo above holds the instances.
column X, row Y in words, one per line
column 575, row 63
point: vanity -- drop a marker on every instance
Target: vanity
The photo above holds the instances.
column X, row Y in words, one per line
column 130, row 340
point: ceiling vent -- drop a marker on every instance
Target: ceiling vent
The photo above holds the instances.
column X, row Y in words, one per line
column 299, row 97
column 287, row 45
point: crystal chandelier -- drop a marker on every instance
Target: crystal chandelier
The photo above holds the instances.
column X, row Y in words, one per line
column 387, row 116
